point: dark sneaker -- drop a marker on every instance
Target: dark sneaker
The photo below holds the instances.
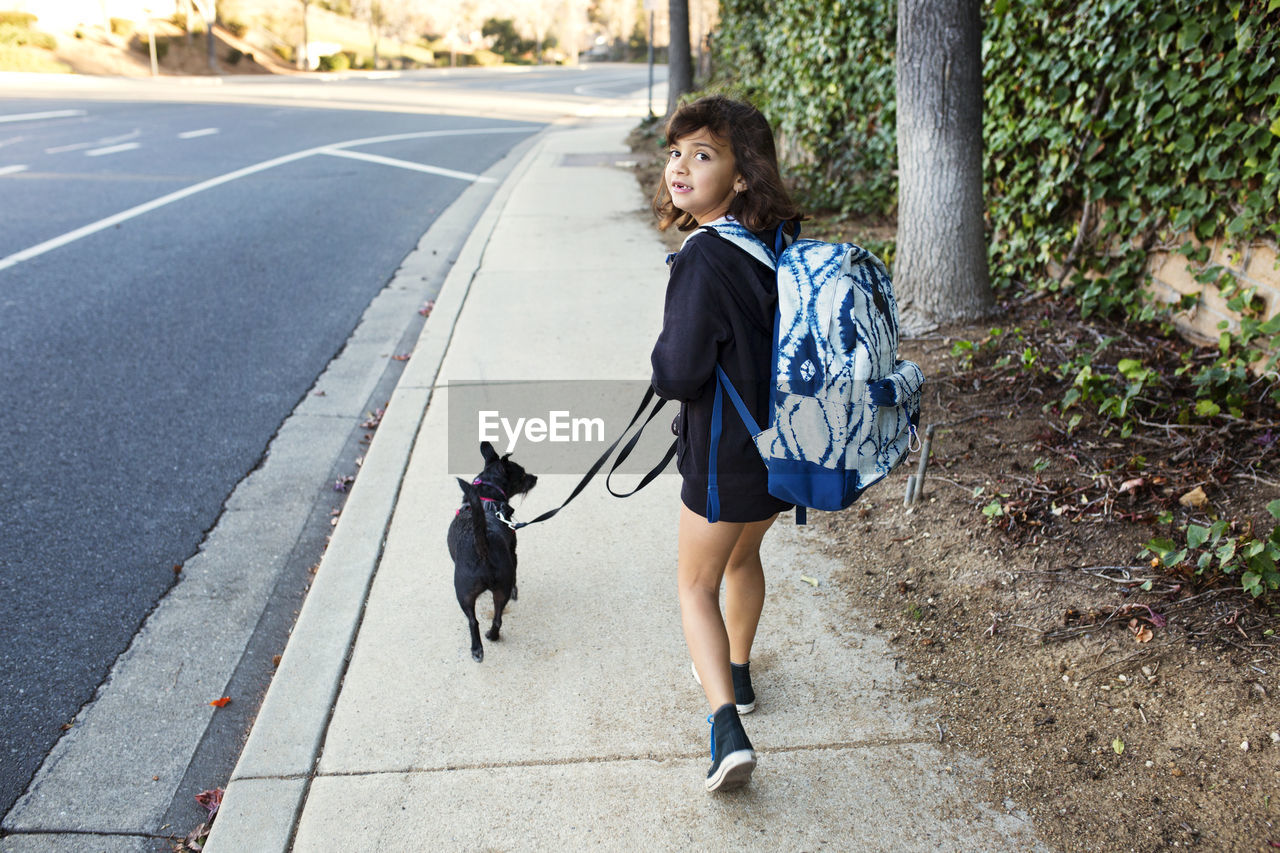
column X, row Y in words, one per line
column 732, row 758
column 743, row 696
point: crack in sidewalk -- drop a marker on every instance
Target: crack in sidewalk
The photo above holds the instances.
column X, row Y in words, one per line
column 867, row 743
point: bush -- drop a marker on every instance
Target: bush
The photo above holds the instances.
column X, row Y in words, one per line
column 486, row 58
column 31, row 60
column 24, row 20
column 505, row 40
column 122, row 27
column 335, row 62
column 283, row 51
column 179, row 20
column 237, row 27
column 15, row 36
column 234, row 56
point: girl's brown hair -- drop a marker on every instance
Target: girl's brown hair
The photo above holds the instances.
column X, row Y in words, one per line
column 765, row 203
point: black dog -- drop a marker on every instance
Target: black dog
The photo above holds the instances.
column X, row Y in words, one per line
column 482, row 544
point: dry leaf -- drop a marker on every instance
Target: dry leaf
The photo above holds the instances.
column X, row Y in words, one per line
column 211, row 800
column 196, row 839
column 1130, row 485
column 221, row 703
column 1194, row 498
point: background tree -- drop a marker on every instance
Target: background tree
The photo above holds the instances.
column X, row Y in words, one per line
column 679, row 55
column 506, row 40
column 373, row 13
column 209, row 14
column 940, row 271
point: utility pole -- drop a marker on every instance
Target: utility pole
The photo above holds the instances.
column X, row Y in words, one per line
column 648, row 7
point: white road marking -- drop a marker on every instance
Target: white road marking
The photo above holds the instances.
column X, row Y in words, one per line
column 62, row 149
column 112, row 149
column 104, row 141
column 9, row 170
column 406, row 164
column 44, row 115
column 192, row 134
column 133, row 212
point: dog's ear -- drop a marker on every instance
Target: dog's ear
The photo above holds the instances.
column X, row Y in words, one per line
column 466, row 487
column 490, row 455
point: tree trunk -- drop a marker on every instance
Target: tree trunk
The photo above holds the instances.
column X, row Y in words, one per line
column 679, row 55
column 940, row 271
column 208, row 10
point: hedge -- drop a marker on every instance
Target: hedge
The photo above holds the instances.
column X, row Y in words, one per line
column 1162, row 124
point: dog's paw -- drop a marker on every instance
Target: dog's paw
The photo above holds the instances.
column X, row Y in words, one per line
column 477, row 654
column 515, row 593
column 491, row 634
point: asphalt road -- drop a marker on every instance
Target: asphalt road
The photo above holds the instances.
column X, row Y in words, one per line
column 145, row 365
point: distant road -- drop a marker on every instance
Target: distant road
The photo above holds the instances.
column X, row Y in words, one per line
column 178, row 263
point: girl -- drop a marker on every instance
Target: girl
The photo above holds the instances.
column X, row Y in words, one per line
column 722, row 166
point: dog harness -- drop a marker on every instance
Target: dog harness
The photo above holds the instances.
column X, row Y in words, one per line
column 478, row 482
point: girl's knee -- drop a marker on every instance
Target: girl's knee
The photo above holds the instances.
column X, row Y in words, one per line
column 698, row 583
column 745, row 566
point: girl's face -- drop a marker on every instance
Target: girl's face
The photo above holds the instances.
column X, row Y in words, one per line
column 702, row 176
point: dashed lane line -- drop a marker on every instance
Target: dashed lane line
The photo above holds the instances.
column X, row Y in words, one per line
column 12, row 170
column 44, row 115
column 113, row 149
column 104, row 141
column 192, row 134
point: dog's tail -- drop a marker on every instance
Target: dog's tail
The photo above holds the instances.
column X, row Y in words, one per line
column 481, row 529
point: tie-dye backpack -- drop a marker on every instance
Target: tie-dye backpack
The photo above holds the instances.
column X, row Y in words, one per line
column 845, row 407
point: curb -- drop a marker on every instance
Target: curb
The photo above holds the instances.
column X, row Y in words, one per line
column 268, row 788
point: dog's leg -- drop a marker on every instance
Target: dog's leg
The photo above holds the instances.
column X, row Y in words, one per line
column 499, row 602
column 468, row 603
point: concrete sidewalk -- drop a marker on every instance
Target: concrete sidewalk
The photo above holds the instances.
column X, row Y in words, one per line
column 582, row 727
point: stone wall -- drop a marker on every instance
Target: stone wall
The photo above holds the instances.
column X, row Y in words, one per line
column 1174, row 277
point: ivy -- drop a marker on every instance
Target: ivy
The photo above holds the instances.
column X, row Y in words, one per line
column 1108, row 132
column 825, row 78
column 1112, row 129
column 1162, row 127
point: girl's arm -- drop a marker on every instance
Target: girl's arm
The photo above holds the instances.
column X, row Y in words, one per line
column 693, row 327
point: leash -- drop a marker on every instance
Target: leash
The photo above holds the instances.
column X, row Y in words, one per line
column 649, row 395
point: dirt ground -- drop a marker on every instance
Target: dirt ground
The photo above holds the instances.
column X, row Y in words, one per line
column 1119, row 719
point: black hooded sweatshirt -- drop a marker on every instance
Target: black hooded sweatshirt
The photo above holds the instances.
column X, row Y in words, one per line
column 720, row 307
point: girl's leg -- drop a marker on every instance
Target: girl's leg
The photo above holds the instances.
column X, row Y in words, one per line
column 744, row 588
column 704, row 552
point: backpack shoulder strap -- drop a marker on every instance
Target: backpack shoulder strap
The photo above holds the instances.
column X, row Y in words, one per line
column 744, row 240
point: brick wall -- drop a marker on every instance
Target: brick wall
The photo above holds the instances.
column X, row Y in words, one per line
column 1173, row 276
